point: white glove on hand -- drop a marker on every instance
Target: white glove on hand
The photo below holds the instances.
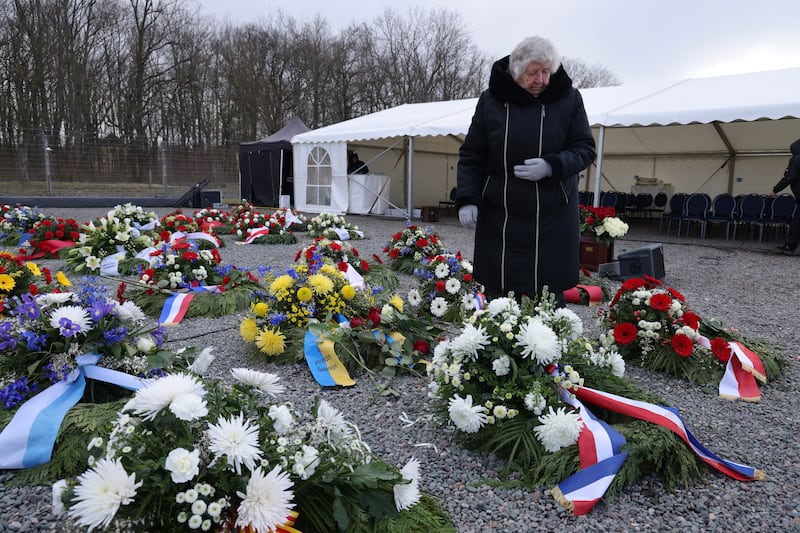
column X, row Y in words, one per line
column 468, row 216
column 533, row 169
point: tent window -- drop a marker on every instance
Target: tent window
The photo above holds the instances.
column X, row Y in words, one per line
column 320, row 177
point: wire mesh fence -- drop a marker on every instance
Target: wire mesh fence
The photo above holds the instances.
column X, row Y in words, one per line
column 110, row 167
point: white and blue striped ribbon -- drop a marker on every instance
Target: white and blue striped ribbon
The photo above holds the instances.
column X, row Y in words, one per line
column 28, row 440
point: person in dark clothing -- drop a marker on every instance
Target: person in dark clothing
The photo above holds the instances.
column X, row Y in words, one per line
column 791, row 179
column 518, row 173
column 355, row 165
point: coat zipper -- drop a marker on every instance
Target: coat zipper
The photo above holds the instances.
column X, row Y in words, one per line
column 538, row 225
column 505, row 205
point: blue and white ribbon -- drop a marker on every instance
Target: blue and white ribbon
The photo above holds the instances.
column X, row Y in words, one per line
column 28, row 440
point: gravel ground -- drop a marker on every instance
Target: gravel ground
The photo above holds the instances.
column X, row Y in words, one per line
column 740, row 282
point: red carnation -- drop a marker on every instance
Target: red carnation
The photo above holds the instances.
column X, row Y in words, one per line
column 59, row 233
column 660, row 301
column 422, row 347
column 364, row 266
column 374, row 316
column 377, row 258
column 691, row 319
column 121, row 292
column 682, row 345
column 422, row 243
column 721, row 349
column 335, row 246
column 33, row 289
column 48, row 277
column 48, row 235
column 396, row 236
column 342, row 266
column 190, row 256
column 624, row 333
column 297, row 256
column 676, row 294
column 467, row 277
column 440, row 285
column 394, row 253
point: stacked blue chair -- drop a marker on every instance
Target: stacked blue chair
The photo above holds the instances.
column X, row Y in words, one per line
column 722, row 207
column 780, row 212
column 677, row 207
column 695, row 210
column 750, row 213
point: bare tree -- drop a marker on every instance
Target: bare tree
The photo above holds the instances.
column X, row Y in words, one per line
column 585, row 76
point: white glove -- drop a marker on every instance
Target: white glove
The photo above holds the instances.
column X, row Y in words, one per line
column 533, row 169
column 468, row 216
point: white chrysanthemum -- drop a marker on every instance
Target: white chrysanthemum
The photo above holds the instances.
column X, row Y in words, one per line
column 574, row 321
column 501, row 365
column 442, row 270
column 129, row 312
column 203, row 360
column 406, row 495
column 78, row 319
column 503, row 305
column 182, row 464
column 535, row 403
column 438, row 307
column 467, row 417
column 538, row 342
column 616, row 363
column 615, row 227
column 263, row 381
column 332, row 422
column 188, row 406
column 100, row 492
column 282, row 418
column 237, row 440
column 470, row 341
column 159, row 394
column 414, row 297
column 466, row 265
column 452, row 286
column 306, row 462
column 267, row 500
column 559, row 429
column 58, row 489
column 54, row 298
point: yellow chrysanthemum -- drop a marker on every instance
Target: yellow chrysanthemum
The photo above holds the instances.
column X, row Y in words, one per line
column 62, row 279
column 248, row 329
column 304, row 294
column 7, row 283
column 281, row 283
column 397, row 302
column 271, row 341
column 260, row 309
column 327, row 268
column 320, row 283
column 348, row 291
column 34, row 268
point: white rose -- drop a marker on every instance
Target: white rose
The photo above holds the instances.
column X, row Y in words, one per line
column 182, row 464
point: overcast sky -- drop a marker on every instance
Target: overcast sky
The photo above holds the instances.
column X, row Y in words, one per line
column 636, row 40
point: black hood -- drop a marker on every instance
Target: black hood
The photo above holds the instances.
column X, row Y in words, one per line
column 795, row 147
column 505, row 89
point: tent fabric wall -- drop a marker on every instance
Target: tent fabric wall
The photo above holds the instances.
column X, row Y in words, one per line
column 744, row 122
column 339, row 187
column 265, row 165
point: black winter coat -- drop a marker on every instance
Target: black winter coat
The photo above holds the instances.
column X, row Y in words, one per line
column 791, row 176
column 527, row 234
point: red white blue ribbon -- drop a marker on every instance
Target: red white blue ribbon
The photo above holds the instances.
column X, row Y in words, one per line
column 255, row 233
column 194, row 236
column 175, row 308
column 28, row 440
column 741, row 372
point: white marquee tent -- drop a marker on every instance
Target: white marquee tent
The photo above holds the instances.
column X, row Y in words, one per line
column 683, row 132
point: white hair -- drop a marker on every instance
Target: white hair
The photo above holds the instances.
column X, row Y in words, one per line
column 533, row 49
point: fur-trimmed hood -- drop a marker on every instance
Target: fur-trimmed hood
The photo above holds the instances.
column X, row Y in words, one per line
column 503, row 87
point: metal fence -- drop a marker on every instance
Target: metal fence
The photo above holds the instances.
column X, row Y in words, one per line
column 39, row 167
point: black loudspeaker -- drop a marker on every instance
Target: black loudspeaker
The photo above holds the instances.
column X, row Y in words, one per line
column 207, row 199
column 648, row 260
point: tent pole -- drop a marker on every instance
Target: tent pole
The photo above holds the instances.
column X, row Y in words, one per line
column 410, row 176
column 280, row 180
column 598, row 166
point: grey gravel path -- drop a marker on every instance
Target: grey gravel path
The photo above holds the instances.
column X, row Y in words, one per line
column 742, row 283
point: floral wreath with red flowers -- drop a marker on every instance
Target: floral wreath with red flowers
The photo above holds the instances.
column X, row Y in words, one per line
column 406, row 249
column 55, row 229
column 601, row 223
column 651, row 325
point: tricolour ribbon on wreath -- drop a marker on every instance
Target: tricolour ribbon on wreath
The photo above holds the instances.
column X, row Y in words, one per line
column 29, row 437
column 741, row 372
column 600, row 447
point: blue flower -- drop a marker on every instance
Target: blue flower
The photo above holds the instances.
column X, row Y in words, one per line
column 16, row 393
column 113, row 336
column 34, row 341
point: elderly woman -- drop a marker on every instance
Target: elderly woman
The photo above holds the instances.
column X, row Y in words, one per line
column 518, row 173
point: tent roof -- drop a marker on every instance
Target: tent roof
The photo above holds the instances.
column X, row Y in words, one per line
column 285, row 134
column 739, row 97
